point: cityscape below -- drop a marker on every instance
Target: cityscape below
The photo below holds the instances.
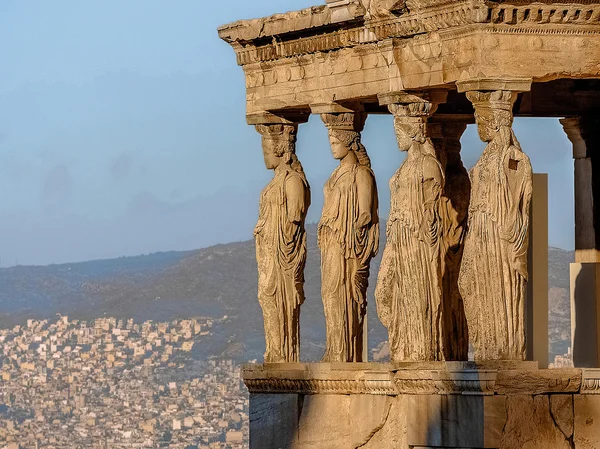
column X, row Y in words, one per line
column 114, row 383
column 146, row 378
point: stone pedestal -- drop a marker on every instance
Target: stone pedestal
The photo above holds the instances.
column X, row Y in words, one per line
column 504, row 405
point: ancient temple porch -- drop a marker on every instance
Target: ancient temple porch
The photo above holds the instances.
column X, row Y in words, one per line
column 436, row 66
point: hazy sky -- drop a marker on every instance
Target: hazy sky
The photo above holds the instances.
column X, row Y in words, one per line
column 122, row 132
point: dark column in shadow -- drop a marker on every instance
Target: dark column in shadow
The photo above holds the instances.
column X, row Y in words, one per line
column 584, row 133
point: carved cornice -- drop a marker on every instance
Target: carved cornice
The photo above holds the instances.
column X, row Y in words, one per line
column 581, row 18
column 519, row 13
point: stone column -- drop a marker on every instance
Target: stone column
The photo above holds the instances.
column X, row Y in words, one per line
column 454, row 206
column 584, row 133
column 281, row 238
column 348, row 235
column 494, row 268
column 409, row 286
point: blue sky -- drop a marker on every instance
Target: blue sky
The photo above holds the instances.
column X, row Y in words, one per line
column 122, row 132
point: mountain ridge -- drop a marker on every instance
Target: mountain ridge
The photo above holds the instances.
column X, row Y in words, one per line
column 217, row 281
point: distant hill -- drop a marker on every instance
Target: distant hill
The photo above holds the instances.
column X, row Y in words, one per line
column 216, row 281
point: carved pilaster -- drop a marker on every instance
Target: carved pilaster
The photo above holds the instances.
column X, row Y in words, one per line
column 409, row 286
column 348, row 235
column 281, row 240
column 494, row 272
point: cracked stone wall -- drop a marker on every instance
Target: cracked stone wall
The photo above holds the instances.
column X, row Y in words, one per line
column 518, row 421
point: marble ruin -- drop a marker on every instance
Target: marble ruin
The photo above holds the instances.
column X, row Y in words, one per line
column 281, row 243
column 348, row 236
column 409, row 286
column 494, row 267
column 455, row 267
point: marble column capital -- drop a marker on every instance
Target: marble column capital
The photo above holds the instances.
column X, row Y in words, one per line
column 278, row 131
column 338, row 116
column 584, row 134
column 413, row 106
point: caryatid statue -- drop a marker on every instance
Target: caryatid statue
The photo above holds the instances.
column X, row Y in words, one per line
column 494, row 268
column 281, row 243
column 348, row 237
column 408, row 293
column 454, row 207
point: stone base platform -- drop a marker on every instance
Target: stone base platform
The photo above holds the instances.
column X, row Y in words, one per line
column 507, row 405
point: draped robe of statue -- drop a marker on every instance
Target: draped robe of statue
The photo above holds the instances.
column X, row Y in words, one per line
column 494, row 268
column 281, row 255
column 408, row 289
column 346, row 252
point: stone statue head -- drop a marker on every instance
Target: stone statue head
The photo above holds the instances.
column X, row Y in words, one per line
column 341, row 143
column 409, row 130
column 344, row 136
column 493, row 112
column 278, row 143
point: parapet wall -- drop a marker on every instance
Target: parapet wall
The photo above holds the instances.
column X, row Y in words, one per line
column 422, row 405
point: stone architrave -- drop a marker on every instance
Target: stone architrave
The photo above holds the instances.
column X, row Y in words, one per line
column 281, row 243
column 348, row 237
column 494, row 272
column 454, row 207
column 409, row 293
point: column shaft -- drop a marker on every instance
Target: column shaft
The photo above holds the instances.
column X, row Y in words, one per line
column 584, row 133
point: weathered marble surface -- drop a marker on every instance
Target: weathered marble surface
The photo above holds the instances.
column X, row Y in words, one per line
column 587, row 422
column 494, row 270
column 345, row 50
column 281, row 243
column 409, row 284
column 548, row 410
column 531, row 425
column 453, row 211
column 348, row 236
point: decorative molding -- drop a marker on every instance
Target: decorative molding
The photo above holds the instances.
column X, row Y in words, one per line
column 465, row 382
column 539, row 13
column 520, row 18
column 372, row 386
column 591, row 381
column 438, row 378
